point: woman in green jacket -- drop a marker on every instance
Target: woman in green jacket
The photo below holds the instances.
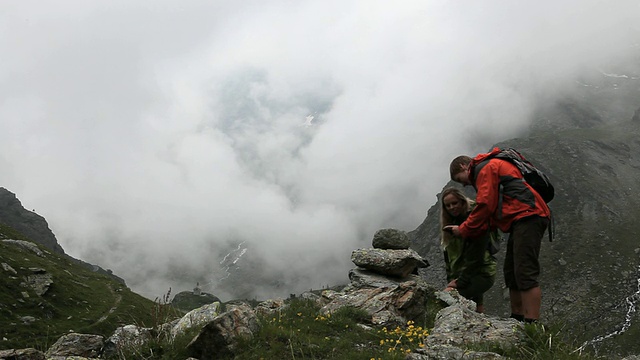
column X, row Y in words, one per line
column 471, row 269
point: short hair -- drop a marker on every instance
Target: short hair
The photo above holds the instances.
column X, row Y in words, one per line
column 456, row 165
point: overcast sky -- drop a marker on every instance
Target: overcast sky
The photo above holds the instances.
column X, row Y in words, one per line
column 155, row 132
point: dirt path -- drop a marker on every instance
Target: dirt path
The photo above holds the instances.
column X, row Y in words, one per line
column 118, row 299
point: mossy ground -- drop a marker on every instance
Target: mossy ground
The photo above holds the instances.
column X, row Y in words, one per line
column 83, row 301
column 78, row 300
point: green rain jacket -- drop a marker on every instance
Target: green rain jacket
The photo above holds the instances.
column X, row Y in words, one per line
column 467, row 258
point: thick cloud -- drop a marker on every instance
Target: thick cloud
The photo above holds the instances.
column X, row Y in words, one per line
column 155, row 136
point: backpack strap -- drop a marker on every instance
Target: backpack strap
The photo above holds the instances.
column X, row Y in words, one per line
column 552, row 225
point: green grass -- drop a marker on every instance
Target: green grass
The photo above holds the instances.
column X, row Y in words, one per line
column 78, row 300
column 541, row 343
column 158, row 347
column 187, row 301
column 301, row 332
column 93, row 303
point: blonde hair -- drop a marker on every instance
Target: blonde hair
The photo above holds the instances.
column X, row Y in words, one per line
column 446, row 218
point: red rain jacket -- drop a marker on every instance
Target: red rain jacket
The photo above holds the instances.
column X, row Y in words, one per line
column 502, row 196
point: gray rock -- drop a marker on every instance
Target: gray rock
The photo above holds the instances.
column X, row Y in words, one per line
column 270, row 307
column 389, row 306
column 447, row 352
column 458, row 325
column 391, row 239
column 27, row 320
column 362, row 278
column 22, row 354
column 218, row 339
column 196, row 318
column 398, row 263
column 26, row 245
column 39, row 283
column 307, row 295
column 8, row 268
column 452, row 298
column 126, row 337
column 74, row 344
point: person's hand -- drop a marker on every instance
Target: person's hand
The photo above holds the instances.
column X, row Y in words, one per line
column 453, row 284
column 453, row 229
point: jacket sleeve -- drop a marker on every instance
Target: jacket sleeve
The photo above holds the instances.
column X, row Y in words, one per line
column 487, row 183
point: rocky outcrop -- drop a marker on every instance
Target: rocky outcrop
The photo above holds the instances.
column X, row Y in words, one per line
column 39, row 281
column 459, row 324
column 74, row 344
column 390, row 255
column 125, row 338
column 393, row 301
column 383, row 284
column 22, row 354
column 6, row 267
column 26, row 245
column 36, row 229
column 270, row 307
column 389, row 301
column 219, row 338
column 448, row 352
column 28, row 223
column 196, row 318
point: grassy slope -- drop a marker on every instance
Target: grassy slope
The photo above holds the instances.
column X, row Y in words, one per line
column 78, row 300
column 300, row 331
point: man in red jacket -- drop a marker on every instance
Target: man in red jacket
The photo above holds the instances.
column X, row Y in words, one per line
column 504, row 200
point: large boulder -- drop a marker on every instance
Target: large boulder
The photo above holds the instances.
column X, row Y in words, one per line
column 270, row 307
column 458, row 324
column 448, row 352
column 196, row 318
column 391, row 239
column 399, row 263
column 388, row 301
column 126, row 337
column 74, row 344
column 39, row 281
column 219, row 338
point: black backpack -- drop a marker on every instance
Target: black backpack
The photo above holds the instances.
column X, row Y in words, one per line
column 538, row 180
